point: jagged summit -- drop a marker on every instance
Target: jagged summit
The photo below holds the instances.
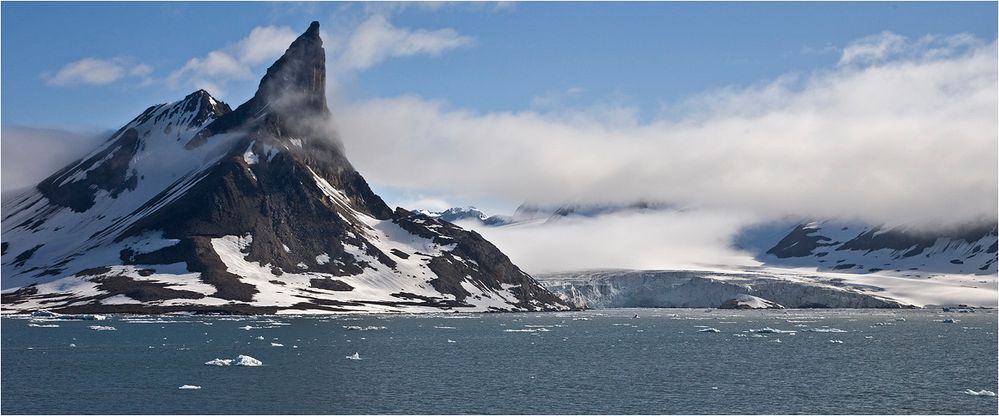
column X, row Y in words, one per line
column 291, row 96
column 257, row 210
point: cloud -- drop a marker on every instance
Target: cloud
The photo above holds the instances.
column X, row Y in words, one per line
column 30, row 154
column 887, row 45
column 264, row 44
column 907, row 138
column 212, row 72
column 659, row 240
column 94, row 71
column 376, row 40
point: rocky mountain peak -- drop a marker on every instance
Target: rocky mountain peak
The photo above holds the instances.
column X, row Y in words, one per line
column 291, row 95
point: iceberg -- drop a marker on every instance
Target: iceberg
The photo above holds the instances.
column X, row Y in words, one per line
column 247, row 361
column 189, row 387
column 102, row 328
column 241, row 360
column 356, row 356
column 988, row 393
column 708, row 330
column 769, row 330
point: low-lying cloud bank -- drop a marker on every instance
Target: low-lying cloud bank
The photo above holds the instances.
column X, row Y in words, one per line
column 900, row 131
column 32, row 154
column 635, row 240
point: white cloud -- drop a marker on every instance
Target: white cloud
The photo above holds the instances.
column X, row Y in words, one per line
column 264, row 44
column 659, row 240
column 30, row 154
column 376, row 40
column 887, row 45
column 94, row 71
column 235, row 62
column 912, row 138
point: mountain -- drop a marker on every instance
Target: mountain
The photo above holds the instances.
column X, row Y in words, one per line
column 533, row 213
column 193, row 206
column 853, row 248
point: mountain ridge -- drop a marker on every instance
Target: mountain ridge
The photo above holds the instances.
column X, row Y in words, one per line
column 253, row 210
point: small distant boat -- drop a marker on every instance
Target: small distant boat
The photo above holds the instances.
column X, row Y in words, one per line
column 356, row 356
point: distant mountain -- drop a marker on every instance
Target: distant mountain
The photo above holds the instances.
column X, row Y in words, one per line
column 533, row 213
column 853, row 248
column 193, row 206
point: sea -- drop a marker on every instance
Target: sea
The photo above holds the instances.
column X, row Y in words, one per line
column 618, row 361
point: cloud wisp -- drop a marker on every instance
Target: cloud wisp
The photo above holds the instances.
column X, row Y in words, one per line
column 376, row 40
column 904, row 138
column 31, row 154
column 95, row 71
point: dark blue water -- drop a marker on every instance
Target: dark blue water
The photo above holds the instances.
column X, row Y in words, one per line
column 586, row 362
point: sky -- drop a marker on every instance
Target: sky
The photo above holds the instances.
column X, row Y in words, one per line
column 872, row 112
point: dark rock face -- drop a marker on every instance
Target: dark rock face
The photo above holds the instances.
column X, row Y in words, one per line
column 276, row 217
column 800, row 242
column 868, row 249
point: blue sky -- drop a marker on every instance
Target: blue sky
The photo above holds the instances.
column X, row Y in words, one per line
column 860, row 111
column 645, row 55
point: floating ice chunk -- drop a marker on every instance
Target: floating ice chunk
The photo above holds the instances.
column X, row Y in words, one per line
column 950, row 321
column 988, row 393
column 247, row 361
column 836, row 330
column 189, row 387
column 356, row 356
column 102, row 328
column 240, row 360
column 274, row 344
column 451, row 341
column 835, row 341
column 220, row 362
column 43, row 325
column 769, row 330
column 260, row 337
column 444, row 327
column 528, row 330
column 45, row 314
column 72, row 345
column 363, row 328
column 708, row 330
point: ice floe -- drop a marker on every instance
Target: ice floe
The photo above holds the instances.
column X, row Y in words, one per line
column 240, row 360
column 356, row 356
column 708, row 330
column 189, row 387
column 102, row 328
column 362, row 328
column 988, row 393
column 769, row 330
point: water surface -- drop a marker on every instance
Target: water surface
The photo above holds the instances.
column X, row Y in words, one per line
column 581, row 362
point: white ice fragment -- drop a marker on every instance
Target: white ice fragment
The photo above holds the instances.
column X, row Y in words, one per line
column 708, row 330
column 356, row 356
column 988, row 393
column 220, row 362
column 189, row 387
column 102, row 328
column 274, row 344
column 247, row 361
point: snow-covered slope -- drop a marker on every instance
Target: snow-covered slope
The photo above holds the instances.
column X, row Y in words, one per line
column 852, row 248
column 193, row 206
